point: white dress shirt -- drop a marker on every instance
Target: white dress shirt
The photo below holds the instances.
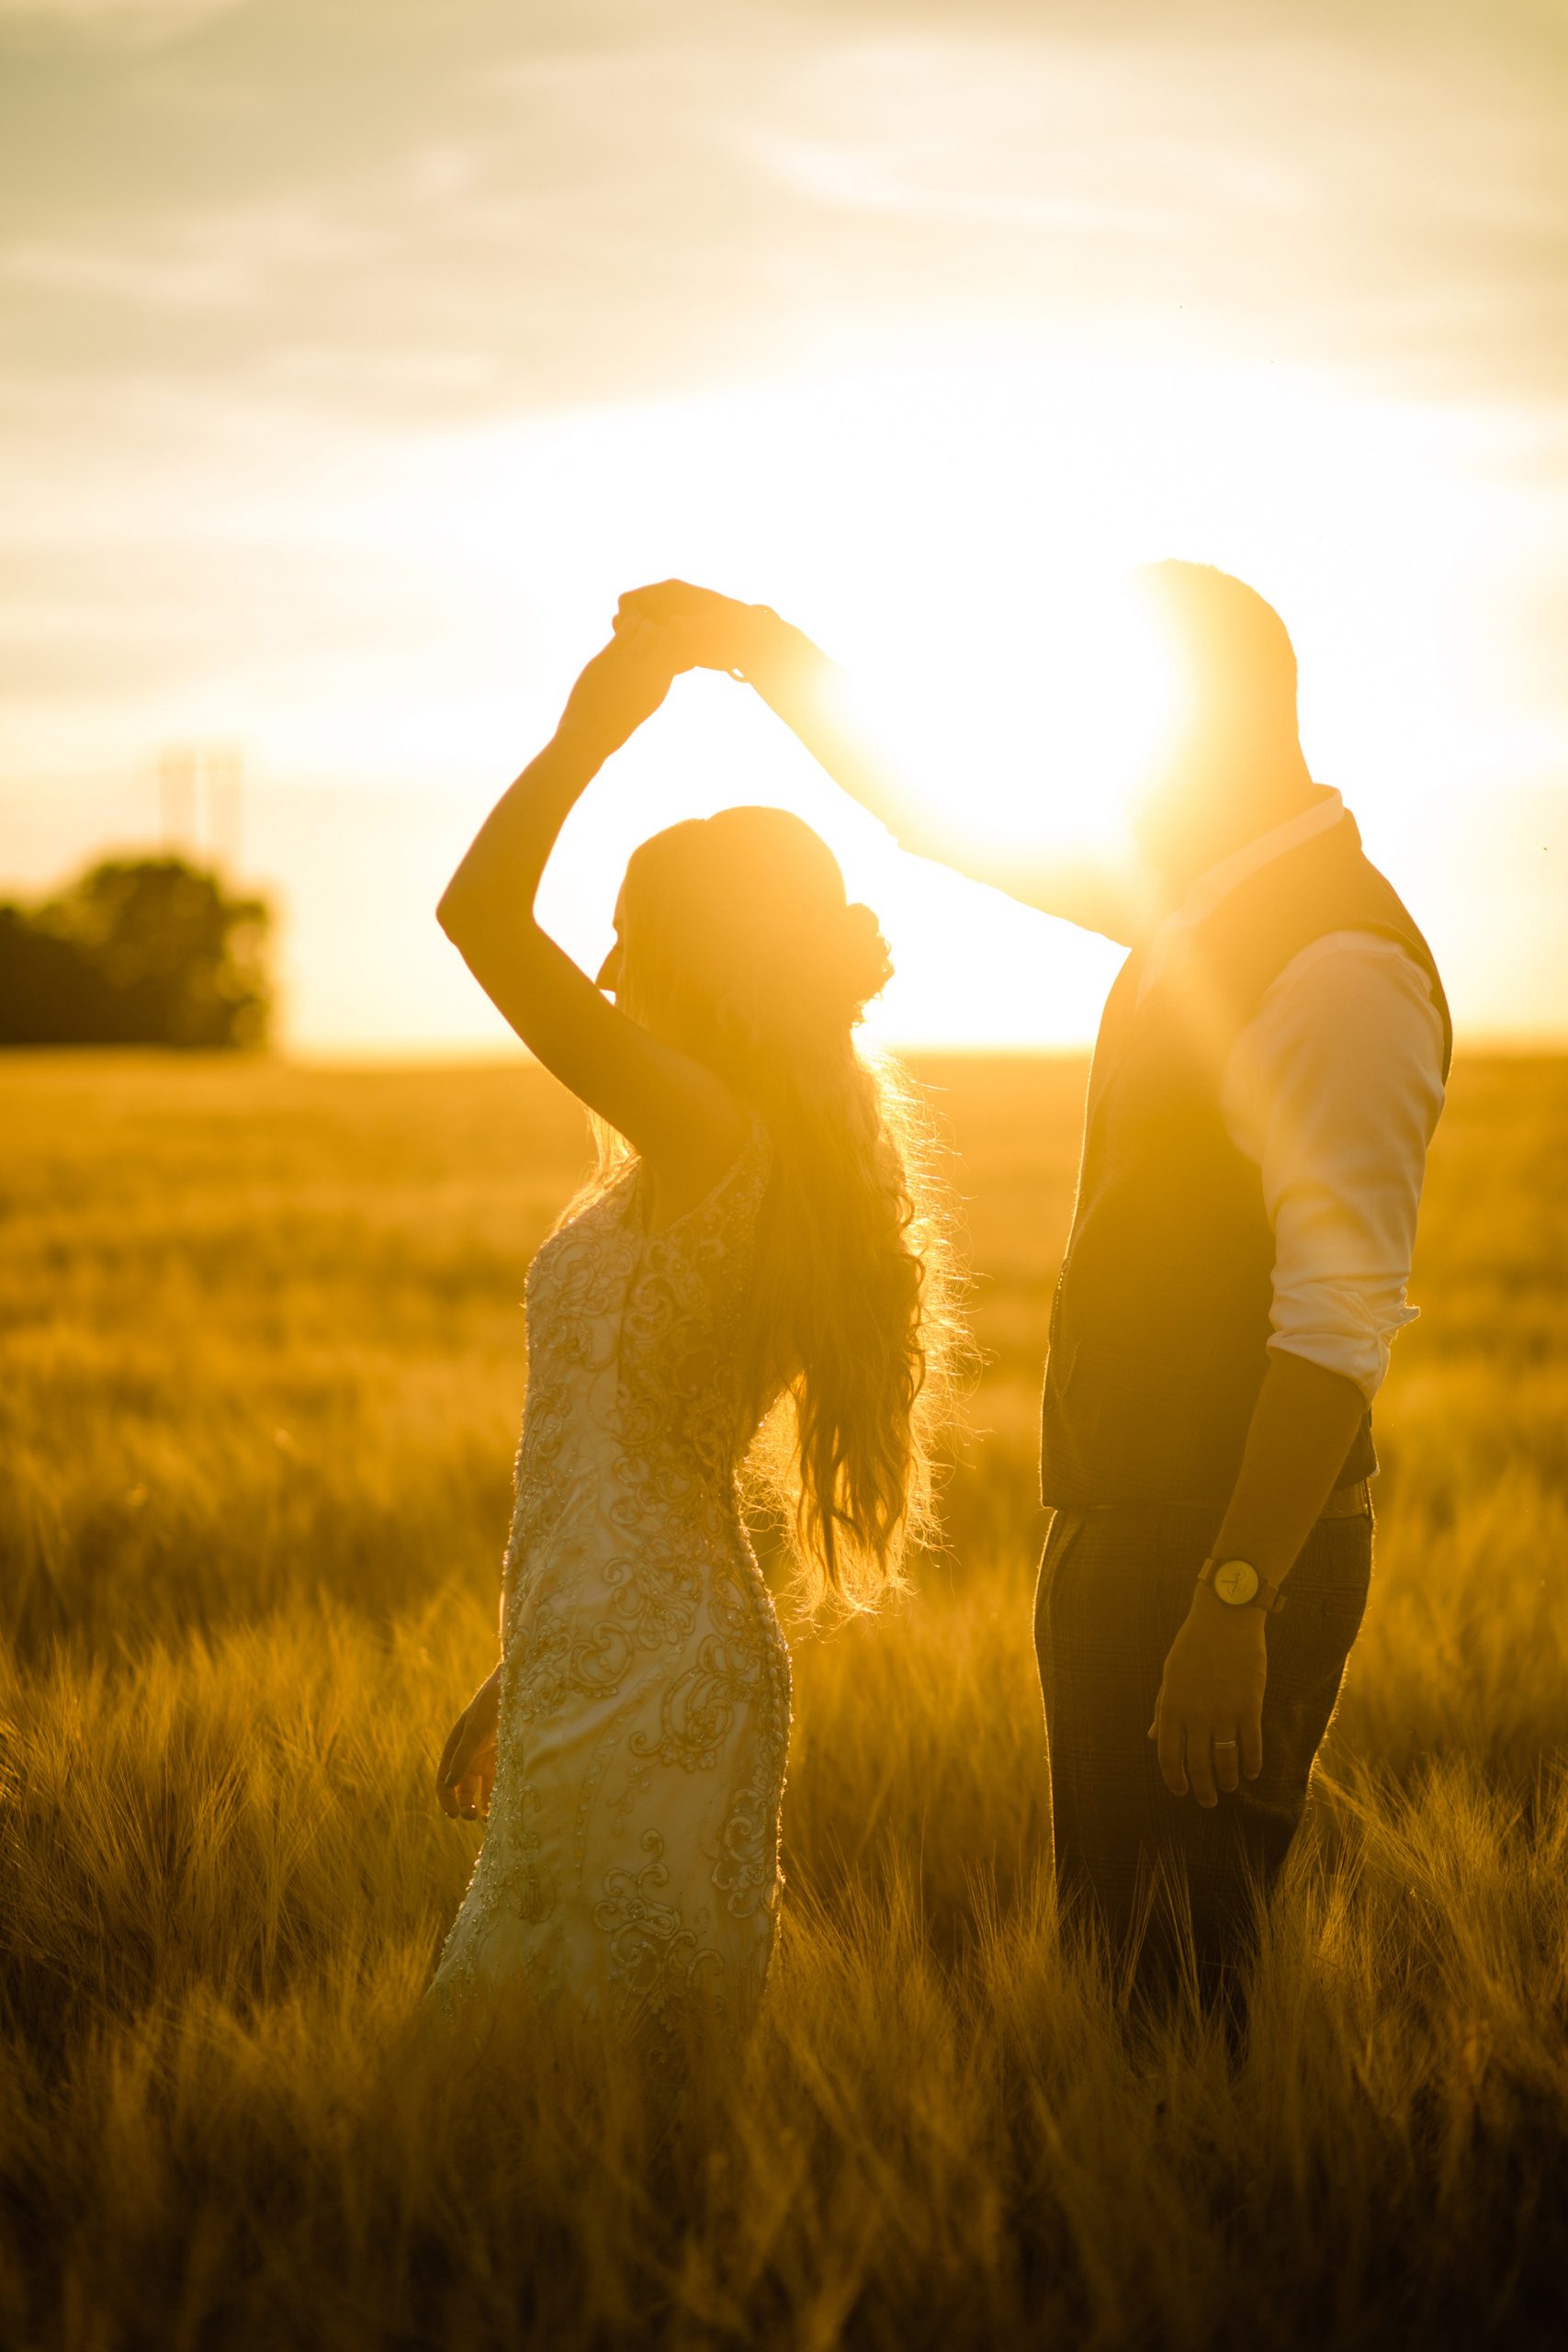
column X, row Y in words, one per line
column 1333, row 1090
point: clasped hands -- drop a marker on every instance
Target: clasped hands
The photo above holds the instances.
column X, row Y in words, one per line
column 700, row 629
column 659, row 632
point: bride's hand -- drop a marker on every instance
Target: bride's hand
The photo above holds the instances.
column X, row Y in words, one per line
column 466, row 1774
column 624, row 683
column 703, row 629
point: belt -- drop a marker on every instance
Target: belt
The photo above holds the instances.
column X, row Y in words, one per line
column 1354, row 1501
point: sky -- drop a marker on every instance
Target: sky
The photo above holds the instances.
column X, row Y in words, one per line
column 356, row 355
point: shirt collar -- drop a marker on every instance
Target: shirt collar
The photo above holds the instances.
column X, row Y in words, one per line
column 1217, row 882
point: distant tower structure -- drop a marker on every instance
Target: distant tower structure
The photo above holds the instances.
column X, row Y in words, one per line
column 200, row 801
column 223, row 783
column 176, row 796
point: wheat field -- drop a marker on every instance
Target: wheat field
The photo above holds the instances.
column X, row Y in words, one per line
column 262, row 1358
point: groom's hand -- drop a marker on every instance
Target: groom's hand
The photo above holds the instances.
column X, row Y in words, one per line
column 1208, row 1722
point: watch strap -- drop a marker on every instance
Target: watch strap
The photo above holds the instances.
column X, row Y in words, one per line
column 1268, row 1597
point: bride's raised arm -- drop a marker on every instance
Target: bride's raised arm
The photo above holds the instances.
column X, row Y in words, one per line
column 808, row 692
column 678, row 1114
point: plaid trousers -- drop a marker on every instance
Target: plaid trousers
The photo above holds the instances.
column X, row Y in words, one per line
column 1133, row 1862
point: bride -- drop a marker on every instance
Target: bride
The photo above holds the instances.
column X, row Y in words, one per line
column 753, row 1281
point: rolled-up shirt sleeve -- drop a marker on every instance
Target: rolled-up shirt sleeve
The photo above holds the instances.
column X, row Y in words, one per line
column 1335, row 1090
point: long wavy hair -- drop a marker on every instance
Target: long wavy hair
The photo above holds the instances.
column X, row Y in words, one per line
column 737, row 946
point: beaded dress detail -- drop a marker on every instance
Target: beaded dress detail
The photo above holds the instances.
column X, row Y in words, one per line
column 630, row 1859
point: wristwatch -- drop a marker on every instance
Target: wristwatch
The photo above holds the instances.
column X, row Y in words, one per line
column 1239, row 1586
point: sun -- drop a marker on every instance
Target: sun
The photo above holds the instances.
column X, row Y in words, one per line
column 1030, row 719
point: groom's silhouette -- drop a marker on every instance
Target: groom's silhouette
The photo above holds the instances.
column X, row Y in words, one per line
column 1268, row 1072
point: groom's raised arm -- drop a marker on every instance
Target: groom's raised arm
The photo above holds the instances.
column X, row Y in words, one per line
column 813, row 697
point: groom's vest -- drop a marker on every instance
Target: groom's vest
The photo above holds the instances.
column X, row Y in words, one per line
column 1161, row 1325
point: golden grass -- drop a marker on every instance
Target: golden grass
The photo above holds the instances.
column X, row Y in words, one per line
column 262, row 1374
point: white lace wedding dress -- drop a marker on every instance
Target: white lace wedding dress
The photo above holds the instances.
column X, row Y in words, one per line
column 630, row 1861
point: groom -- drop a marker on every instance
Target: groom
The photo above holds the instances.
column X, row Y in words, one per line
column 1268, row 1076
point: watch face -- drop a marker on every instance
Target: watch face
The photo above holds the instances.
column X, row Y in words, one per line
column 1236, row 1581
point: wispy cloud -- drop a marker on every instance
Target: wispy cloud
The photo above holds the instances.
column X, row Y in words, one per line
column 135, row 24
column 1287, row 181
column 233, row 259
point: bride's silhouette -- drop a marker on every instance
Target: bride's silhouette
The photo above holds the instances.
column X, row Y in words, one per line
column 758, row 1237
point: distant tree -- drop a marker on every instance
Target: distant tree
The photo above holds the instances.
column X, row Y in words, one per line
column 137, row 952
